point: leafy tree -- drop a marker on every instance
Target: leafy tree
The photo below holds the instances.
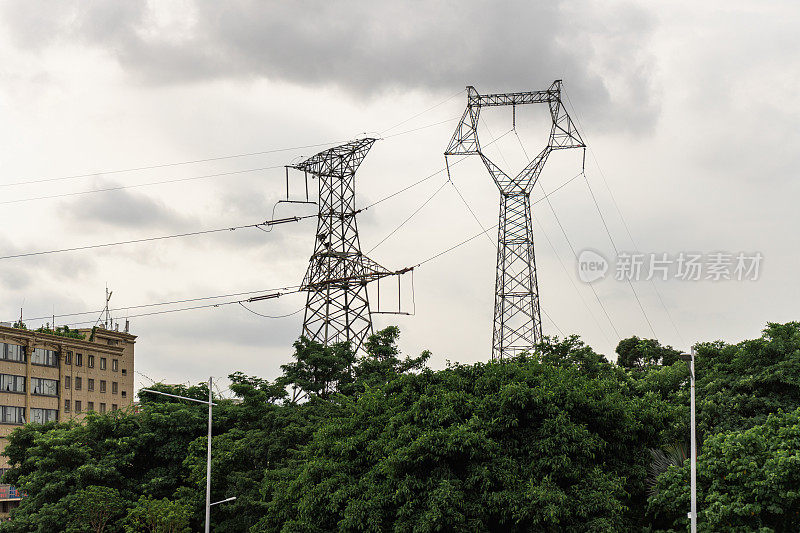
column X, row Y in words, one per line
column 518, row 445
column 94, row 508
column 317, row 370
column 158, row 516
column 555, row 440
column 637, row 353
column 382, row 363
column 747, row 481
column 740, row 385
column 134, row 453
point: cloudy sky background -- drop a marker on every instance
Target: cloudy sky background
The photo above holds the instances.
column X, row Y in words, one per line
column 690, row 111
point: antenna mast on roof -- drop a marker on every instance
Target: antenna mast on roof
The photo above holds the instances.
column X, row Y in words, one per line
column 108, row 322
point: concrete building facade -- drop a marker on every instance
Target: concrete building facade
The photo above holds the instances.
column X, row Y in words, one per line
column 46, row 377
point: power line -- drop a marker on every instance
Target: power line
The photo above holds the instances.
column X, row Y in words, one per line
column 121, row 187
column 204, row 306
column 425, row 111
column 572, row 281
column 423, row 180
column 173, row 302
column 164, row 165
column 608, row 232
column 624, row 221
column 226, row 157
column 420, row 128
column 555, row 252
column 403, row 223
column 272, row 316
column 469, row 208
column 163, row 237
column 569, row 242
column 448, row 250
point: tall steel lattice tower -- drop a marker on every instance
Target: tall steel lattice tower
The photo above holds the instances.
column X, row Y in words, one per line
column 337, row 305
column 517, row 317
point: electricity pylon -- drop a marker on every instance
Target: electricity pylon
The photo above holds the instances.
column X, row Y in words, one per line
column 337, row 304
column 517, row 317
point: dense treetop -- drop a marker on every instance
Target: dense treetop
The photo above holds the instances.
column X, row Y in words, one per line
column 557, row 440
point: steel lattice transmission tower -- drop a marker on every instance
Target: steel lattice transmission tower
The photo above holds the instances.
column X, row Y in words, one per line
column 517, row 317
column 337, row 305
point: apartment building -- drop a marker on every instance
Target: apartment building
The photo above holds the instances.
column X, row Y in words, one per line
column 46, row 377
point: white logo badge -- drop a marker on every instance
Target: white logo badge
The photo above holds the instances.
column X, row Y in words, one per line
column 591, row 266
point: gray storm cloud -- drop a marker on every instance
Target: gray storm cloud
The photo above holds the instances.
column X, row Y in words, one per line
column 370, row 49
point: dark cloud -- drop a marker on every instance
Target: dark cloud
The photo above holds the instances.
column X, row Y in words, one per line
column 122, row 209
column 371, row 48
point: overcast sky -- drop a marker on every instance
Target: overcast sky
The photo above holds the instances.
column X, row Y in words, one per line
column 689, row 110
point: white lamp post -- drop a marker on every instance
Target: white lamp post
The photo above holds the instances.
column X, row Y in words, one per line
column 208, row 456
column 692, row 431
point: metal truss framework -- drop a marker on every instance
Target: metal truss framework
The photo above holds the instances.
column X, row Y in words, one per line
column 337, row 304
column 517, row 316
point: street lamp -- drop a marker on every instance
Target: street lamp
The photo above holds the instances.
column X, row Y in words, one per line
column 208, row 456
column 693, row 483
column 225, row 500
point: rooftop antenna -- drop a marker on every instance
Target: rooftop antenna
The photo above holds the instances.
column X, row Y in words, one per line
column 109, row 322
column 517, row 316
column 105, row 316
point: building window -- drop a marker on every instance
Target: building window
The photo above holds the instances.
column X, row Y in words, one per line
column 46, row 387
column 10, row 383
column 67, row 382
column 40, row 356
column 102, row 363
column 102, row 385
column 78, row 383
column 12, row 415
column 124, row 372
column 12, row 352
column 115, row 365
column 42, row 416
column 66, row 406
column 124, row 394
column 102, row 408
column 77, row 406
column 90, row 361
column 90, row 384
column 114, row 387
column 113, row 407
column 90, row 406
column 68, row 358
column 78, row 359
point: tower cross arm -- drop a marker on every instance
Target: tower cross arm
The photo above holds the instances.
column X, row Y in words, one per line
column 500, row 99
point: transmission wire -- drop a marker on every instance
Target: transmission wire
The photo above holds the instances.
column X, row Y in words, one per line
column 622, row 218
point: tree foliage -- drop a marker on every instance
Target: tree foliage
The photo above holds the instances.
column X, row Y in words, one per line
column 556, row 440
column 94, row 508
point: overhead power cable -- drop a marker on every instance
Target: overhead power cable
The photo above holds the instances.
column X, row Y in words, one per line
column 157, row 166
column 624, row 221
column 403, row 223
column 122, row 187
column 272, row 316
column 163, row 237
column 569, row 242
column 172, row 302
column 575, row 254
column 204, row 306
column 423, row 112
column 616, row 250
column 167, row 165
